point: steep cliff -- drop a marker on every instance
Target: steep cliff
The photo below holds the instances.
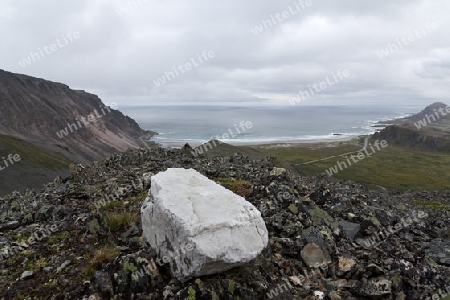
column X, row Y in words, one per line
column 428, row 130
column 46, row 126
column 72, row 122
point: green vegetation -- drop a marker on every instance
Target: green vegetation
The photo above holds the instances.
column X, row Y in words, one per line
column 432, row 205
column 116, row 219
column 127, row 266
column 293, row 209
column 111, row 204
column 38, row 264
column 101, row 256
column 138, row 198
column 241, row 187
column 19, row 238
column 191, row 293
column 231, row 286
column 36, row 166
column 58, row 238
column 35, row 155
column 393, row 167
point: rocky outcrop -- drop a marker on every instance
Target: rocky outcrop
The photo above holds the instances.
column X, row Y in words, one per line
column 199, row 226
column 428, row 130
column 427, row 139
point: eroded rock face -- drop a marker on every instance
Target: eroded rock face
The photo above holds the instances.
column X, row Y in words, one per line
column 198, row 226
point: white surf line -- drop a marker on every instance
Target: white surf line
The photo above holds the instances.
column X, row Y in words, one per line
column 312, row 161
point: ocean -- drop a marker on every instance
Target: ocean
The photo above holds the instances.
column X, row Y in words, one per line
column 199, row 124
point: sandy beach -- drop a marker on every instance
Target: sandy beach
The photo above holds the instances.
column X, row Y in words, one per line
column 268, row 145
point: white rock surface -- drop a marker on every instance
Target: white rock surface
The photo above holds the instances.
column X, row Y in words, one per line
column 186, row 210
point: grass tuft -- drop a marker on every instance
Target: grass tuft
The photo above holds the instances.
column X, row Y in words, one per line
column 115, row 220
column 240, row 187
column 101, row 256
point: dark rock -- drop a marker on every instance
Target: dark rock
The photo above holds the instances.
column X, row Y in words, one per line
column 11, row 225
column 439, row 251
column 350, row 229
column 103, row 284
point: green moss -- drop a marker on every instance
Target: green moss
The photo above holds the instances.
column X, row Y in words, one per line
column 191, row 293
column 127, row 266
column 372, row 220
column 94, row 226
column 231, row 286
column 58, row 238
column 401, row 207
column 397, row 279
column 431, row 262
column 293, row 209
column 320, row 217
column 19, row 238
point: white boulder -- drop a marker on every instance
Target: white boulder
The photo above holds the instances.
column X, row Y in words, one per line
column 198, row 226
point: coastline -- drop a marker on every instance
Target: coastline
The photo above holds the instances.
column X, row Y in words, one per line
column 268, row 144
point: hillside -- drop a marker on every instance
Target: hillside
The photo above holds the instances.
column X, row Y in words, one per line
column 428, row 130
column 48, row 125
column 438, row 108
column 35, row 166
column 417, row 157
column 88, row 239
column 72, row 122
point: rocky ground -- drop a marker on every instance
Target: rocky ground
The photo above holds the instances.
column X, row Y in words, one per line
column 81, row 238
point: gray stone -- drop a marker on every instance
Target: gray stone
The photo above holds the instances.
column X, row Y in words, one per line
column 10, row 225
column 439, row 251
column 375, row 287
column 350, row 229
column 27, row 275
column 103, row 284
column 63, row 266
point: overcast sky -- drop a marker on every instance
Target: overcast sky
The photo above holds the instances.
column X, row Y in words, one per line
column 119, row 53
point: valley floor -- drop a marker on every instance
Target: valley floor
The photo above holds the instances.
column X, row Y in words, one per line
column 393, row 167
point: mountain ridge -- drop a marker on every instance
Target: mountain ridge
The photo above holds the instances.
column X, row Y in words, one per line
column 35, row 110
column 428, row 130
column 50, row 126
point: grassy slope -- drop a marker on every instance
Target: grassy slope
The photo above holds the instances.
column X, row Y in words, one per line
column 393, row 167
column 37, row 165
column 32, row 154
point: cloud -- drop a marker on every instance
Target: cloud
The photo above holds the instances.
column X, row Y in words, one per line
column 120, row 56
